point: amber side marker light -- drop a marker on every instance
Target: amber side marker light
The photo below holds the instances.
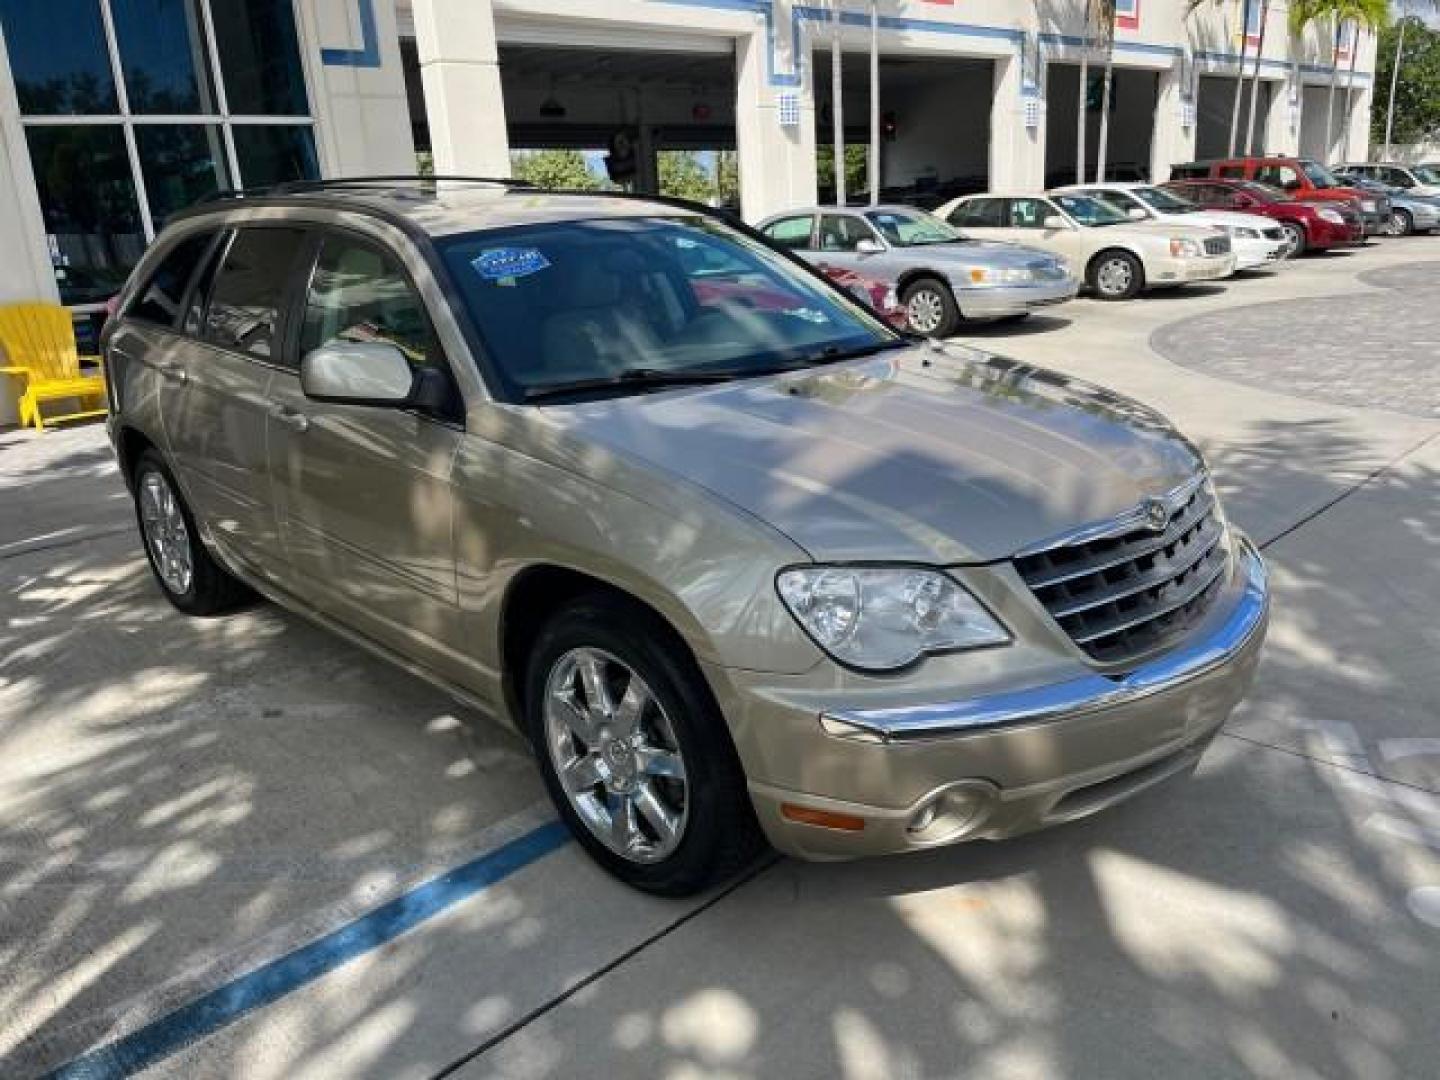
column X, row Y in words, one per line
column 826, row 819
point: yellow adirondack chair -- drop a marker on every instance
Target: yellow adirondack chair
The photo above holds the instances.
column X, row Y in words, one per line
column 39, row 344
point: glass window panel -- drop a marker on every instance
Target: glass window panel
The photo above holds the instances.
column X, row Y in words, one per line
column 181, row 164
column 245, row 300
column 273, row 154
column 82, row 175
column 58, row 71
column 160, row 300
column 162, row 53
column 260, row 57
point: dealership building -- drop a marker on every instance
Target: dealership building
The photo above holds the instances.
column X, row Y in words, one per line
column 115, row 113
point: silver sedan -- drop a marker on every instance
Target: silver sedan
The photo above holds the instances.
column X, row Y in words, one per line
column 942, row 275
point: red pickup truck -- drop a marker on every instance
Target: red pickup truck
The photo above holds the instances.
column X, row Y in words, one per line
column 1300, row 178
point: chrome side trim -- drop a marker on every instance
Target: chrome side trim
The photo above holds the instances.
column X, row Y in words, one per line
column 1137, row 517
column 1087, row 693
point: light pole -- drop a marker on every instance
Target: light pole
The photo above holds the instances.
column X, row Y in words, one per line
column 874, row 102
column 1394, row 78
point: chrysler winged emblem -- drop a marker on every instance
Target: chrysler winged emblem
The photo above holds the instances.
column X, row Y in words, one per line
column 1157, row 514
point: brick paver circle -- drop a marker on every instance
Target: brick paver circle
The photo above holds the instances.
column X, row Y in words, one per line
column 1370, row 349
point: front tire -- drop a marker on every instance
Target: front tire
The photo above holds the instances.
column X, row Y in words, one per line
column 190, row 579
column 1295, row 239
column 1116, row 275
column 1401, row 223
column 930, row 308
column 634, row 751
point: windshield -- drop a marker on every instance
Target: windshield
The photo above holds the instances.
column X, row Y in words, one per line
column 1265, row 192
column 912, row 228
column 686, row 296
column 1090, row 212
column 1319, row 175
column 1426, row 174
column 1167, row 202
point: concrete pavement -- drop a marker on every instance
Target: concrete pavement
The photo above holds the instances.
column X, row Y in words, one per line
column 183, row 800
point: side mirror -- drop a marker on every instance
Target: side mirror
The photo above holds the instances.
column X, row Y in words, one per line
column 869, row 246
column 1054, row 221
column 1136, row 214
column 358, row 373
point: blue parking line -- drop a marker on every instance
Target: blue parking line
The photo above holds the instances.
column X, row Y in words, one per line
column 268, row 984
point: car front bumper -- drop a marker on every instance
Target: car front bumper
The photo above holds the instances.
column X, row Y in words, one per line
column 1004, row 763
column 1177, row 271
column 1252, row 253
column 998, row 301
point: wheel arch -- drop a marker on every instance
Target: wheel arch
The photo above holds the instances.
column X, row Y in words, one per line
column 534, row 595
column 1114, row 249
column 130, row 443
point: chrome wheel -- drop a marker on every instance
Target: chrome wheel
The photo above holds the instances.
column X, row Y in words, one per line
column 616, row 755
column 1399, row 224
column 925, row 311
column 165, row 533
column 1115, row 277
column 1294, row 240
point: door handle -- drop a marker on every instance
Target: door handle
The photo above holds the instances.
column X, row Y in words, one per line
column 291, row 418
column 173, row 373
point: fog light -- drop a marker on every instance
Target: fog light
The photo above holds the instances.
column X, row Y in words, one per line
column 952, row 812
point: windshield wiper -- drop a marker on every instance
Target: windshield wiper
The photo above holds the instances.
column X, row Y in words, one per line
column 638, row 378
column 833, row 354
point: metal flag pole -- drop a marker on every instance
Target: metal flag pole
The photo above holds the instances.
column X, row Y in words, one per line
column 874, row 170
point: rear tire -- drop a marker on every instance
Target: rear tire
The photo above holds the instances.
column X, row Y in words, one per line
column 1115, row 275
column 930, row 308
column 1296, row 242
column 634, row 751
column 1402, row 223
column 190, row 579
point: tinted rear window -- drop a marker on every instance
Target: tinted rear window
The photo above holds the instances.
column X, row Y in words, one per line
column 159, row 301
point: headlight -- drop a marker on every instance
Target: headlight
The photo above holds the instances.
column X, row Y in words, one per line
column 1004, row 275
column 881, row 618
column 1368, row 205
column 1185, row 248
column 1332, row 216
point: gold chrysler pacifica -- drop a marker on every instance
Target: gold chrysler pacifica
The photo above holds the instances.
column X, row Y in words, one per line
column 741, row 562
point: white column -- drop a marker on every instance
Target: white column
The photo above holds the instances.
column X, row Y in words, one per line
column 1017, row 153
column 777, row 164
column 361, row 109
column 1361, row 96
column 460, row 71
column 25, row 273
column 1171, row 142
column 1282, row 136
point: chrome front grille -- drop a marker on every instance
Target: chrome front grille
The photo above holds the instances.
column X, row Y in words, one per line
column 1124, row 589
column 1217, row 245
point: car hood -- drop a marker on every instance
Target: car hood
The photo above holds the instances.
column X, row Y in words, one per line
column 1229, row 218
column 926, row 455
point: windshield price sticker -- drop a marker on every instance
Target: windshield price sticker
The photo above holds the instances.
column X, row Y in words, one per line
column 504, row 265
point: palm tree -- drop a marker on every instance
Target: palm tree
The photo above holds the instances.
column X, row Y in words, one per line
column 1100, row 18
column 1357, row 13
column 1255, row 73
column 1193, row 5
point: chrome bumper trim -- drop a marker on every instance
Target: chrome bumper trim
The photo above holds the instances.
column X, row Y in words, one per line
column 1088, row 693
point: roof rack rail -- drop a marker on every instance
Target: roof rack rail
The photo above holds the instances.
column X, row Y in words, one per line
column 297, row 187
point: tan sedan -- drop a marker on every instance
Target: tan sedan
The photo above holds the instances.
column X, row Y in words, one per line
column 1117, row 257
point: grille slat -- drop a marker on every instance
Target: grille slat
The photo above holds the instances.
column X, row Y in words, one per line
column 1124, row 594
column 1067, row 571
column 1217, row 245
column 1198, row 548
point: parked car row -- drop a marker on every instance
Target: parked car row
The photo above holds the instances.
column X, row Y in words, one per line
column 1002, row 255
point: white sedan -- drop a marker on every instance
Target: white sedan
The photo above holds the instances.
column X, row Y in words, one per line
column 1257, row 240
column 1117, row 256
